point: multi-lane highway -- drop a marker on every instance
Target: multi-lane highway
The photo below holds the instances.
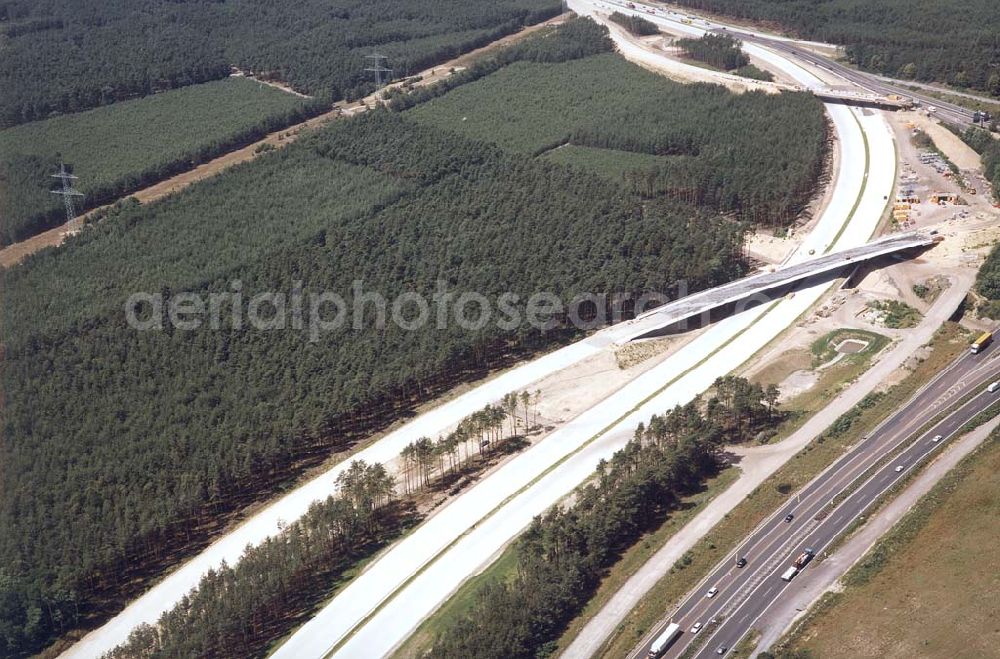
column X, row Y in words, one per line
column 384, row 604
column 948, row 112
column 381, row 607
column 825, row 508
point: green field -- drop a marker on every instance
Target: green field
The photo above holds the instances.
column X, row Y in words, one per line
column 928, row 588
column 120, row 148
column 758, row 157
column 123, row 447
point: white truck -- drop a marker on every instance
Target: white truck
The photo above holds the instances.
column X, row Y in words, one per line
column 672, row 631
column 790, row 573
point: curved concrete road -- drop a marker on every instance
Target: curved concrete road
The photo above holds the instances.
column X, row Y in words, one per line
column 381, row 607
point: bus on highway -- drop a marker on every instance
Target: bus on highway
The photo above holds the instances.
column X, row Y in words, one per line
column 984, row 340
column 672, row 631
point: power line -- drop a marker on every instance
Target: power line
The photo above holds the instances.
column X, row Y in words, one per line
column 68, row 191
column 377, row 65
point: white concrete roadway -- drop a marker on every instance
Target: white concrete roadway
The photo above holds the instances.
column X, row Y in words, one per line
column 381, row 607
column 293, row 505
column 165, row 594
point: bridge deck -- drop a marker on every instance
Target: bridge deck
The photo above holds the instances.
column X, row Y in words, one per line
column 756, row 286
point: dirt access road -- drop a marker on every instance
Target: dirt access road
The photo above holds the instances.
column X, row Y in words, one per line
column 17, row 252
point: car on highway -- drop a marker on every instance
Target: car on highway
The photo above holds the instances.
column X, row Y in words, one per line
column 712, row 591
column 936, row 438
column 741, row 562
column 789, row 517
column 696, row 628
column 899, row 468
column 993, row 386
column 721, row 649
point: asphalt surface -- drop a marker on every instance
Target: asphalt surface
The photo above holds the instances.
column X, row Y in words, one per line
column 378, row 610
column 948, row 112
column 820, row 516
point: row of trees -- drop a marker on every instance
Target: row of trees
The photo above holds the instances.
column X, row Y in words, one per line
column 988, row 279
column 563, row 555
column 637, row 25
column 241, row 609
column 76, row 56
column 757, row 156
column 719, row 50
column 575, row 39
column 479, row 434
column 190, row 425
column 174, row 429
column 238, row 610
column 930, row 41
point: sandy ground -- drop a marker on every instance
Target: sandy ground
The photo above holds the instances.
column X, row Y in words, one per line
column 813, row 583
column 277, row 84
column 15, row 253
column 650, row 53
column 957, row 151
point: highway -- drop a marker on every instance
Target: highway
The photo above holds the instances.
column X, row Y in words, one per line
column 948, row 112
column 760, row 285
column 745, row 593
column 382, row 606
column 388, row 600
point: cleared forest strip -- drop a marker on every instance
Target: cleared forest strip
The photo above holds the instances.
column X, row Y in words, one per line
column 13, row 254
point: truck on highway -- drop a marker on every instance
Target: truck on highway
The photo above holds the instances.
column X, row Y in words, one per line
column 804, row 558
column 984, row 340
column 662, row 641
column 790, row 573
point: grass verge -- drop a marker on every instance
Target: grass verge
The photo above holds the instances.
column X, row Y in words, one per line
column 630, row 562
column 927, row 588
column 771, row 494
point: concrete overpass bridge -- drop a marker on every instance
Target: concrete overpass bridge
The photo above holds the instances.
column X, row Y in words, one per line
column 756, row 288
column 863, row 99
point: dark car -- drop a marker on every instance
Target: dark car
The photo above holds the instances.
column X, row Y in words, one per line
column 741, row 562
column 789, row 517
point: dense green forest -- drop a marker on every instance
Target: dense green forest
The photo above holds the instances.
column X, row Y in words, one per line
column 240, row 610
column 117, row 150
column 563, row 555
column 637, row 25
column 63, row 56
column 718, row 50
column 988, row 279
column 929, row 40
column 121, row 447
column 758, row 157
column 236, row 610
